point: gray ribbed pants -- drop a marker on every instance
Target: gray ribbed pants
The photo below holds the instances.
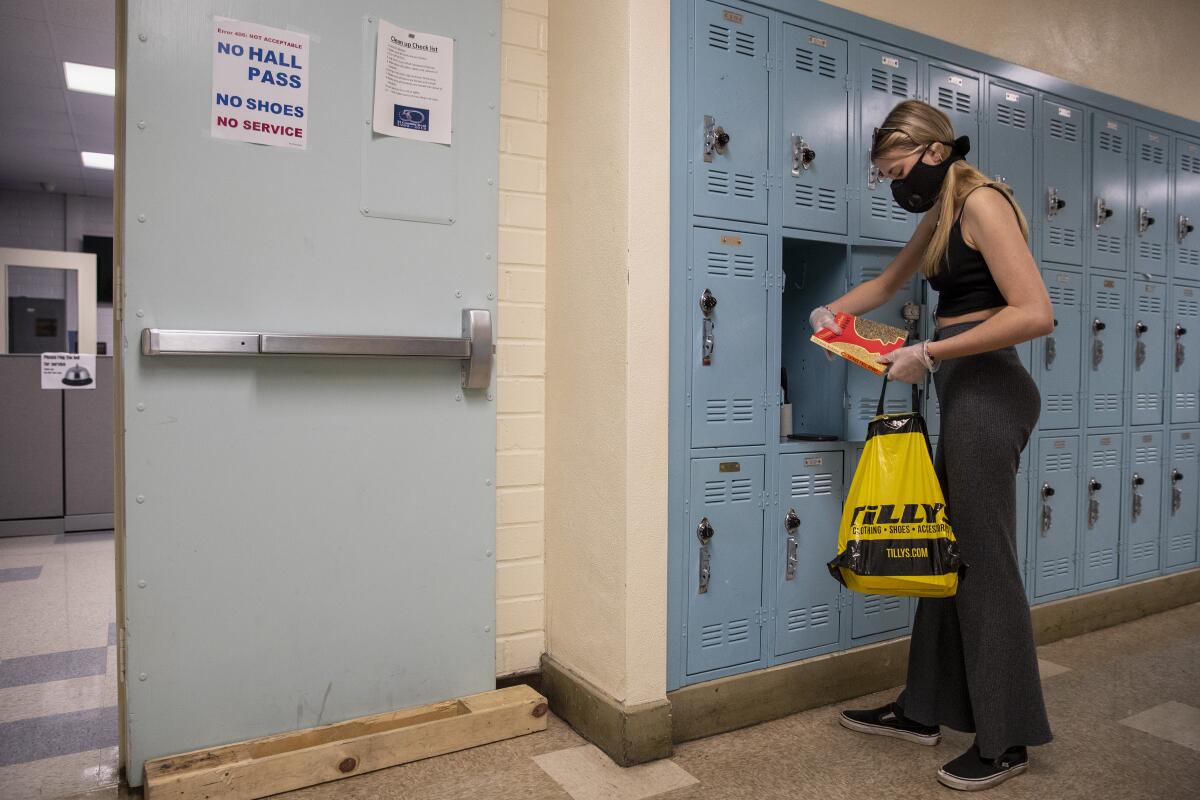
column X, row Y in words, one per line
column 972, row 664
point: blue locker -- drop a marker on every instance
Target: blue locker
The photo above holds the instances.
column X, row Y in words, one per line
column 1150, row 223
column 729, row 134
column 1009, row 153
column 1052, row 539
column 804, row 532
column 955, row 93
column 1183, row 356
column 1144, row 487
column 816, row 112
column 729, row 337
column 1101, row 529
column 886, row 78
column 1105, row 354
column 1148, row 343
column 1179, row 545
column 725, row 556
column 1186, row 212
column 1109, row 212
column 1056, row 356
column 1062, row 198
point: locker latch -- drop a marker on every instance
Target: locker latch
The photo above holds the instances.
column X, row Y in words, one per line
column 1183, row 226
column 1097, row 343
column 1051, row 349
column 708, row 302
column 1144, row 219
column 874, row 174
column 802, row 155
column 1139, row 357
column 1138, row 480
column 1047, row 512
column 704, row 532
column 1093, row 503
column 1176, row 493
column 792, row 523
column 1180, row 332
column 1054, row 203
column 715, row 138
column 1103, row 212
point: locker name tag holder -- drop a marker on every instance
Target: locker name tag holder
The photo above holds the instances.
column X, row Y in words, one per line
column 734, row 17
column 735, row 241
column 1012, row 97
column 818, row 41
column 730, row 466
column 1112, row 126
column 888, row 61
column 814, row 461
column 1064, row 112
column 957, row 81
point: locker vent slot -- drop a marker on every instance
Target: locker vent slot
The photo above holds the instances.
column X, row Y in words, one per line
column 1180, row 543
column 1189, row 257
column 1150, row 250
column 827, row 66
column 719, row 183
column 890, row 82
column 718, row 36
column 1189, row 163
column 1112, row 142
column 823, row 485
column 1060, row 403
column 1145, row 455
column 886, row 208
column 879, row 604
column 805, row 61
column 817, row 197
column 743, row 185
column 743, row 265
column 1185, row 401
column 879, row 80
column 866, row 407
column 1102, row 459
column 718, row 263
column 743, row 409
column 741, row 491
column 1149, row 304
column 1067, row 131
column 718, row 410
column 715, row 492
column 738, row 631
column 1108, row 244
column 1011, row 115
column 716, row 634
column 954, row 101
column 899, row 85
column 801, row 485
column 1140, row 550
column 1098, row 559
column 1056, row 567
column 1152, row 153
column 801, row 618
column 820, row 63
column 1063, row 295
column 1184, row 452
column 1146, row 401
column 745, row 43
column 1062, row 237
column 1187, row 308
column 1105, row 402
column 1058, row 462
column 712, row 635
column 1109, row 300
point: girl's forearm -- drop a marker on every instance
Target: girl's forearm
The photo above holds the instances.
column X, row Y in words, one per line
column 867, row 296
column 1010, row 325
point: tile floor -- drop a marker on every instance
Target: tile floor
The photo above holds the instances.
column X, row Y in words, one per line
column 1124, row 703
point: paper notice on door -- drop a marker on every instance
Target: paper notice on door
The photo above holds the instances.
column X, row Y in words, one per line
column 260, row 84
column 414, row 83
column 68, row 371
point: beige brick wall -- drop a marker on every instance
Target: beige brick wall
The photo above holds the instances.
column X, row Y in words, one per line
column 521, row 339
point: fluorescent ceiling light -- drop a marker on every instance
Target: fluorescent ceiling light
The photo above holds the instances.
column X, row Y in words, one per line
column 97, row 160
column 93, row 80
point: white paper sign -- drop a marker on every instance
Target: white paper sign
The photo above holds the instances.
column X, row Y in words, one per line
column 260, row 84
column 414, row 83
column 68, row 371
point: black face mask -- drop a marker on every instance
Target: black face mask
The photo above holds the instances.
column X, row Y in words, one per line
column 918, row 190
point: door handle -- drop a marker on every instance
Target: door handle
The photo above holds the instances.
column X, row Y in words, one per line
column 792, row 523
column 705, row 533
column 1093, row 503
column 474, row 348
column 1176, row 494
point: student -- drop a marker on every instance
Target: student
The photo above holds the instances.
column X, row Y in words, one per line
column 972, row 663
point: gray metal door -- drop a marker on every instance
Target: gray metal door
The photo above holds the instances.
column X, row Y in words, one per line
column 1179, row 534
column 1108, row 214
column 1150, row 223
column 1009, row 154
column 1147, row 342
column 955, row 93
column 1183, row 354
column 1057, row 355
column 307, row 540
column 1061, row 204
column 1057, row 498
column 1185, row 214
column 1144, row 487
column 1104, row 358
column 885, row 79
column 1101, row 528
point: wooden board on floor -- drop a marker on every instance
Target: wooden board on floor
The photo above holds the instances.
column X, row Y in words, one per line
column 287, row 761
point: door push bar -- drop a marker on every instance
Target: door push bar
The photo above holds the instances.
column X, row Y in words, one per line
column 474, row 348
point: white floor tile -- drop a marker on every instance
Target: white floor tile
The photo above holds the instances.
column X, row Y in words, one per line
column 1049, row 669
column 1175, row 722
column 586, row 773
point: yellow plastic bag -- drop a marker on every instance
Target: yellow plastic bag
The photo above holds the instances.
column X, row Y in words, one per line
column 895, row 536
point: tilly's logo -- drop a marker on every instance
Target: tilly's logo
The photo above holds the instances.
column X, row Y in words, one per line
column 920, row 513
column 416, row 119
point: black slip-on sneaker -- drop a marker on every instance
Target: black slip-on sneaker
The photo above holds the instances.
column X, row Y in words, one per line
column 888, row 721
column 970, row 773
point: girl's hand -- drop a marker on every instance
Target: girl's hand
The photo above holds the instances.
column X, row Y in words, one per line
column 822, row 317
column 908, row 363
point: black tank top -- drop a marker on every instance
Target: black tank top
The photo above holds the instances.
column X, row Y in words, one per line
column 965, row 284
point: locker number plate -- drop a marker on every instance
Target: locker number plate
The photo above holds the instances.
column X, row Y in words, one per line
column 818, row 41
column 733, row 240
column 1012, row 97
column 733, row 16
column 813, row 461
column 731, row 466
column 891, row 62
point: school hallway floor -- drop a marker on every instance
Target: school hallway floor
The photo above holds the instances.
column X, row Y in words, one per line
column 1124, row 703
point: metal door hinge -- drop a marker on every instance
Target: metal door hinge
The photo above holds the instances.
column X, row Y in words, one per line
column 122, row 654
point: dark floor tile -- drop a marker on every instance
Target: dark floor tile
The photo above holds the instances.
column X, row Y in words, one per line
column 53, row 666
column 28, row 740
column 20, row 573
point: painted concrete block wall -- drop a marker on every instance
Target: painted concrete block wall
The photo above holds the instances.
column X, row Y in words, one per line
column 521, row 338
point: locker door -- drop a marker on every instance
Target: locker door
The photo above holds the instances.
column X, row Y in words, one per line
column 1144, row 489
column 1105, row 354
column 1057, row 355
column 1150, row 223
column 1010, row 144
column 1183, row 355
column 885, row 79
column 1185, row 216
column 723, row 627
column 1057, row 497
column 873, row 614
column 804, row 535
column 728, row 390
column 816, row 107
column 1102, row 491
column 956, row 94
column 1108, row 215
column 1062, row 202
column 731, row 92
column 1148, row 341
column 1179, row 548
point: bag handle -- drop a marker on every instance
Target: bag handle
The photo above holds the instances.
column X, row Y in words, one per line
column 883, row 393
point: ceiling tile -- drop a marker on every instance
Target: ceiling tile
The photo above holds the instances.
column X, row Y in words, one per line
column 95, row 105
column 97, row 15
column 54, row 121
column 23, row 9
column 84, row 46
column 99, row 188
column 53, row 141
column 25, row 37
column 15, row 98
column 32, row 71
